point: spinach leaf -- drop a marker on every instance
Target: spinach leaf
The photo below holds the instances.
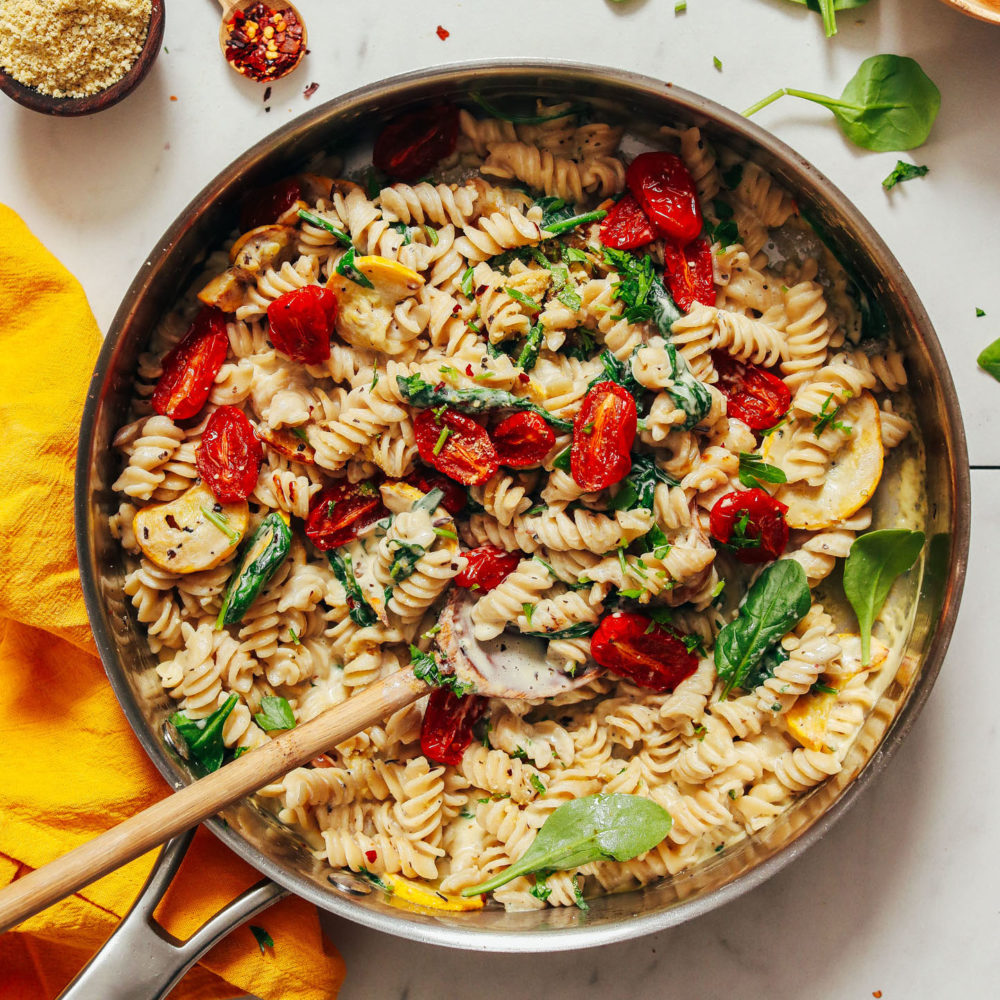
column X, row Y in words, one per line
column 491, row 109
column 419, row 392
column 903, row 172
column 405, row 556
column 828, row 10
column 636, row 279
column 425, row 668
column 275, row 713
column 359, row 610
column 581, row 630
column 429, row 502
column 687, row 392
column 889, row 104
column 776, row 603
column 318, row 220
column 989, row 359
column 754, row 471
column 562, row 460
column 620, row 373
column 872, row 565
column 204, row 736
column 593, row 828
column 664, row 311
column 580, row 344
column 638, row 487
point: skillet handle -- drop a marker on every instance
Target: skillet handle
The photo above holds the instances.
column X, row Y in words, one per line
column 142, row 961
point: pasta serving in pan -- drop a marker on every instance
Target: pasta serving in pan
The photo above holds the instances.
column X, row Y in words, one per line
column 595, row 403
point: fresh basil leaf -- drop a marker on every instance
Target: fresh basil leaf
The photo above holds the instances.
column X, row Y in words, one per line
column 875, row 561
column 903, row 172
column 889, row 104
column 593, row 828
column 989, row 359
column 275, row 713
column 204, row 736
column 776, row 603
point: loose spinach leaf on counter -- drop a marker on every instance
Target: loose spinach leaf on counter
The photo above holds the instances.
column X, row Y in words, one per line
column 593, row 828
column 359, row 610
column 425, row 668
column 419, row 392
column 828, row 10
column 754, row 471
column 639, row 486
column 204, row 736
column 275, row 713
column 875, row 561
column 776, row 603
column 903, row 172
column 989, row 359
column 889, row 104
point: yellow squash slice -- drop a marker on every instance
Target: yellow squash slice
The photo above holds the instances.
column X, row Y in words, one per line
column 808, row 718
column 192, row 533
column 851, row 479
column 405, row 891
column 849, row 662
column 366, row 313
column 262, row 247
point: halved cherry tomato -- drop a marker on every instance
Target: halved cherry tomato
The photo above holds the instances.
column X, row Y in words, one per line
column 339, row 512
column 688, row 273
column 267, row 204
column 302, row 322
column 626, row 226
column 665, row 190
column 522, row 440
column 190, row 368
column 411, row 144
column 754, row 395
column 426, row 480
column 447, row 727
column 647, row 653
column 603, row 432
column 229, row 455
column 487, row 568
column 752, row 523
column 456, row 445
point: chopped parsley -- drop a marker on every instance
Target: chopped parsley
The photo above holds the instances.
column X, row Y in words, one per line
column 425, row 668
column 903, row 172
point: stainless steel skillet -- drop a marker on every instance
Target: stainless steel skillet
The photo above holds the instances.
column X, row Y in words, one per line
column 644, row 104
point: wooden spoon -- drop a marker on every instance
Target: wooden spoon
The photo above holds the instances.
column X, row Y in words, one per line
column 229, row 8
column 244, row 775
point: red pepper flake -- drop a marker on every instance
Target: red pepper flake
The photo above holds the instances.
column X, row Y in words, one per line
column 263, row 44
column 173, row 97
column 310, row 90
column 523, row 377
column 442, row 33
column 468, row 370
column 877, row 994
column 371, row 856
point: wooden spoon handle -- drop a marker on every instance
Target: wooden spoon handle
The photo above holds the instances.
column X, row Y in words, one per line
column 203, row 798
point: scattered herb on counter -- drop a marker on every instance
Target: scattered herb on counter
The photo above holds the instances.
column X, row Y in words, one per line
column 903, row 172
column 680, row 7
column 275, row 713
column 889, row 104
column 980, row 312
column 717, row 63
column 264, row 940
column 876, row 559
column 827, row 9
column 776, row 603
column 204, row 736
column 593, row 828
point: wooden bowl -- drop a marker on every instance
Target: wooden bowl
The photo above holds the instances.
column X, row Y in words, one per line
column 31, row 98
column 985, row 10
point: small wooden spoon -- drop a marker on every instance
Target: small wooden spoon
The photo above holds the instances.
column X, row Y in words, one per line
column 229, row 8
column 244, row 775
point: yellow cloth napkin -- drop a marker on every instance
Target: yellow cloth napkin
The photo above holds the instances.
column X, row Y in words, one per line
column 70, row 767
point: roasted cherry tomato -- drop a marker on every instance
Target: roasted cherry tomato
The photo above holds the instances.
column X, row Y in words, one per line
column 265, row 205
column 636, row 647
column 456, row 445
column 603, row 432
column 339, row 512
column 190, row 368
column 447, row 727
column 302, row 323
column 410, row 145
column 522, row 440
column 688, row 273
column 754, row 395
column 752, row 523
column 626, row 226
column 229, row 455
column 426, row 480
column 488, row 567
column 665, row 190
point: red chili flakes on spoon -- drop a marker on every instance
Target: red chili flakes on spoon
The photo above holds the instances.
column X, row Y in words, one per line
column 263, row 44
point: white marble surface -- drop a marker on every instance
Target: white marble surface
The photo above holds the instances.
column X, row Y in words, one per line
column 902, row 895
